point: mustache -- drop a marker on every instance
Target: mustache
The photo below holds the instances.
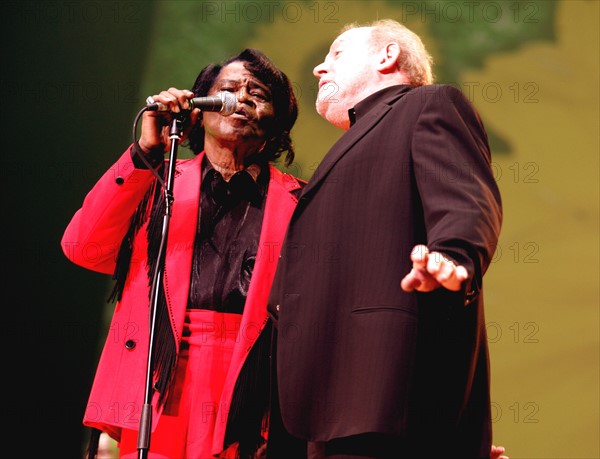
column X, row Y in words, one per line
column 244, row 111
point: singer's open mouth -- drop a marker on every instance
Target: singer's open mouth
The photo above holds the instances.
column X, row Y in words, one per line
column 241, row 114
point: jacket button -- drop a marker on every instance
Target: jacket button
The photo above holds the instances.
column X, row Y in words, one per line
column 277, row 308
column 130, row 344
column 120, row 180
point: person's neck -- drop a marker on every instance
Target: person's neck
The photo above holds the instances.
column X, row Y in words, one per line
column 228, row 160
column 383, row 83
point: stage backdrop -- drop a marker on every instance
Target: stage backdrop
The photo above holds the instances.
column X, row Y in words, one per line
column 76, row 73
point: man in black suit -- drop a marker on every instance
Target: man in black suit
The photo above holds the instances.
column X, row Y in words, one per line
column 378, row 298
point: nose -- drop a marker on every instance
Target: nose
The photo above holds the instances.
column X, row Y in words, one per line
column 319, row 70
column 242, row 94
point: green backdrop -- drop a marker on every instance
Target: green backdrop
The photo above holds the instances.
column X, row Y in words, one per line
column 74, row 75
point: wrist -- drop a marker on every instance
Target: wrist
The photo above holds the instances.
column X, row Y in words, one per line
column 153, row 156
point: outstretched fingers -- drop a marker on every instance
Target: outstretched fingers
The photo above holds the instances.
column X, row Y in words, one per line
column 431, row 270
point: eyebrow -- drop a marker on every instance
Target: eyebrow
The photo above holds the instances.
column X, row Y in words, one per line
column 335, row 46
column 252, row 82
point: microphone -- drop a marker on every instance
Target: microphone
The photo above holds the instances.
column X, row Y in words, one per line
column 224, row 102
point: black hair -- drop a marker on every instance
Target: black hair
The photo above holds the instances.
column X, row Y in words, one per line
column 284, row 103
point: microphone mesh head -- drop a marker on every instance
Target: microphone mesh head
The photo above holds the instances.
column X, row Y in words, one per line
column 229, row 103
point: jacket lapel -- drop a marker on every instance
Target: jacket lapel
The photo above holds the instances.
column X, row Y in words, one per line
column 279, row 206
column 180, row 244
column 351, row 137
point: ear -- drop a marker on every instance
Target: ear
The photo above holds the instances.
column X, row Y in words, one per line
column 388, row 58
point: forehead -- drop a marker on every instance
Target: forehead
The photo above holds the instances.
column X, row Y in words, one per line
column 236, row 72
column 354, row 37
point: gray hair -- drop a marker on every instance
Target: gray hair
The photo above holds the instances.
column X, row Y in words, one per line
column 414, row 59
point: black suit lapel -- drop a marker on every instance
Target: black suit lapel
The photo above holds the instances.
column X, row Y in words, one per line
column 344, row 143
column 349, row 139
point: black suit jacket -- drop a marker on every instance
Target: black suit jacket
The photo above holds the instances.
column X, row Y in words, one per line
column 355, row 352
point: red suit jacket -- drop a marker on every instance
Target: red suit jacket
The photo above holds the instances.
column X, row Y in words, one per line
column 92, row 240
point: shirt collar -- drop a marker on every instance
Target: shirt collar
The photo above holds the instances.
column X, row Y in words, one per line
column 248, row 184
column 369, row 102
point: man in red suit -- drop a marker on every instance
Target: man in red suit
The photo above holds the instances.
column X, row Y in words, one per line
column 378, row 296
column 228, row 219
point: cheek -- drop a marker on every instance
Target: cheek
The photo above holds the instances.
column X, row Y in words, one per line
column 215, row 124
column 266, row 116
column 265, row 111
column 209, row 118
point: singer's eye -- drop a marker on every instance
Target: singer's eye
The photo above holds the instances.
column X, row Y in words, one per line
column 259, row 95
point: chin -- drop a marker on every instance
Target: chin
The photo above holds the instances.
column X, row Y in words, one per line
column 321, row 108
column 335, row 117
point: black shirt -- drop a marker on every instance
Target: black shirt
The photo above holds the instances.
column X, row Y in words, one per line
column 229, row 225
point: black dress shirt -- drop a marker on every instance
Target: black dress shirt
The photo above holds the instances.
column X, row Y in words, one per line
column 229, row 225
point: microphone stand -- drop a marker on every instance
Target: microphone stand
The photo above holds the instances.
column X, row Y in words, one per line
column 145, row 426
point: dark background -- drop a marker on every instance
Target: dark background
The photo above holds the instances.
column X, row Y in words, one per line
column 70, row 83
